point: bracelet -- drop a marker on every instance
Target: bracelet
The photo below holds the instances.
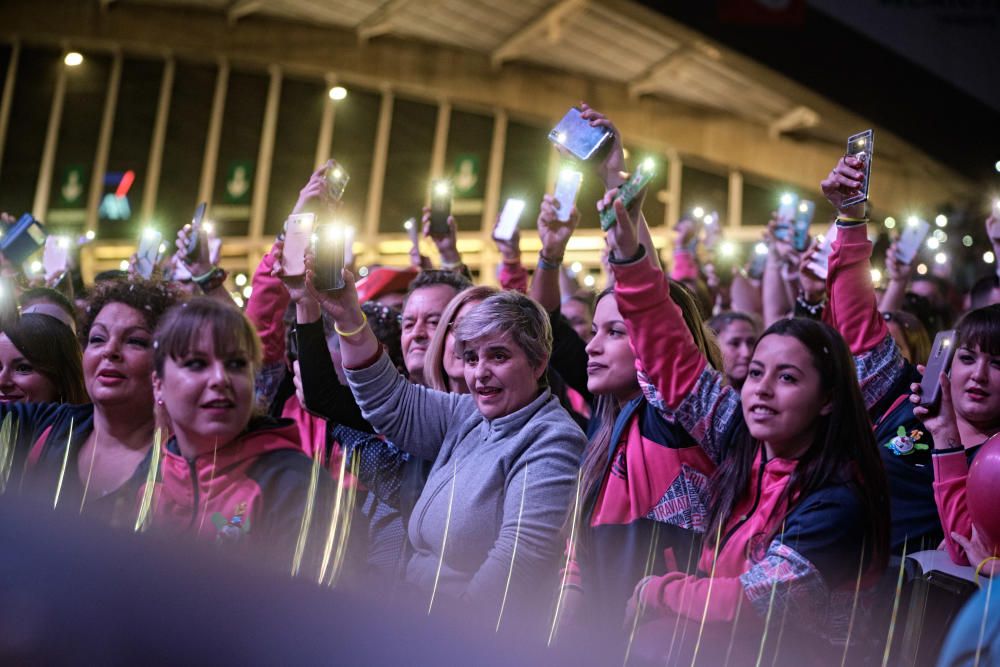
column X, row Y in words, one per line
column 572, row 587
column 354, row 332
column 550, row 264
column 844, row 218
column 979, row 568
column 451, row 266
column 814, row 309
column 211, row 280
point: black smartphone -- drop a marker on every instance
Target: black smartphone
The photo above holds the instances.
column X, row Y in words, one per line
column 328, row 262
column 860, row 146
column 939, row 362
column 800, row 228
column 441, row 194
column 192, row 248
column 576, row 135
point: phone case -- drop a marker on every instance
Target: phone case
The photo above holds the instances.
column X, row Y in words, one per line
column 576, row 135
column 298, row 235
column 626, row 194
column 861, row 146
column 336, row 180
column 148, row 252
column 821, row 260
column 567, row 189
column 800, row 229
column 440, row 210
column 939, row 362
column 910, row 240
column 412, row 227
column 509, row 217
column 55, row 257
column 329, row 262
column 191, row 248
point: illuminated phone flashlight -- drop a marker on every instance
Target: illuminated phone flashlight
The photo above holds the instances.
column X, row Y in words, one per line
column 760, row 248
column 890, row 222
column 408, row 225
column 941, row 221
column 912, row 221
column 649, row 164
column 209, row 227
column 588, row 280
column 442, row 188
column 803, row 207
column 576, row 267
column 786, row 199
column 90, row 235
column 941, row 258
column 876, row 276
column 561, row 137
column 149, row 233
column 36, row 266
column 727, row 249
column 63, row 242
column 698, row 212
column 933, row 243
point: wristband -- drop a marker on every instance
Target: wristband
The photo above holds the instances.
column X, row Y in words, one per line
column 353, row 332
column 550, row 264
column 451, row 266
column 211, row 280
column 979, row 568
column 844, row 218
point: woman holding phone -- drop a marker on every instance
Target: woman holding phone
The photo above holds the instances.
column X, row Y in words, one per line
column 504, row 457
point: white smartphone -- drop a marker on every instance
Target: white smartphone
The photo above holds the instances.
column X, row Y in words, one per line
column 149, row 252
column 55, row 257
column 348, row 245
column 821, row 260
column 298, row 236
column 908, row 245
column 509, row 217
column 567, row 189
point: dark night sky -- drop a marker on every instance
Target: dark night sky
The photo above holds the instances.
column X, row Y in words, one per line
column 929, row 70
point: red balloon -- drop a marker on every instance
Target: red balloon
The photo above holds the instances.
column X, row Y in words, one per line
column 982, row 493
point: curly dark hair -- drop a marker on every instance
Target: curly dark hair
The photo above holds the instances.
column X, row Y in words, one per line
column 152, row 298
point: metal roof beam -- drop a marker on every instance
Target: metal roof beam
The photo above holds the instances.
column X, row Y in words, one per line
column 240, row 8
column 548, row 21
column 798, row 118
column 379, row 22
column 650, row 80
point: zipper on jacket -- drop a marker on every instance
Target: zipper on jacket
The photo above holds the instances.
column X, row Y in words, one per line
column 753, row 508
column 194, row 487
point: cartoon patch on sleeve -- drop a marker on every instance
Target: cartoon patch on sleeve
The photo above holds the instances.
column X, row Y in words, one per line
column 230, row 530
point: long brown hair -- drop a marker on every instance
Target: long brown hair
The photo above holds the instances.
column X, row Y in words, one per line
column 52, row 348
column 607, row 408
column 843, row 449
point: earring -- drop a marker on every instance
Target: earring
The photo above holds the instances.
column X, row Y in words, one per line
column 159, row 401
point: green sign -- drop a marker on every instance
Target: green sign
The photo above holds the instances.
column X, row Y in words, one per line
column 239, row 180
column 466, row 175
column 73, row 186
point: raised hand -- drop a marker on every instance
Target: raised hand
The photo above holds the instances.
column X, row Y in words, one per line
column 812, row 285
column 612, row 170
column 895, row 269
column 623, row 237
column 843, row 181
column 553, row 233
column 202, row 264
column 447, row 244
column 941, row 422
column 314, row 192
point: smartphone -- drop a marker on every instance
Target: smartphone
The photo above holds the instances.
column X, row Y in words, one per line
column 860, row 146
column 800, row 227
column 441, row 194
column 55, row 257
column 298, row 236
column 348, row 245
column 22, row 239
column 336, row 180
column 192, row 248
column 626, row 193
column 148, row 252
column 567, row 189
column 821, row 260
column 509, row 217
column 912, row 238
column 328, row 265
column 576, row 135
column 412, row 227
column 757, row 265
column 939, row 362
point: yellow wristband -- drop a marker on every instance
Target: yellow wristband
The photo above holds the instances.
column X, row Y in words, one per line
column 844, row 218
column 355, row 332
column 979, row 568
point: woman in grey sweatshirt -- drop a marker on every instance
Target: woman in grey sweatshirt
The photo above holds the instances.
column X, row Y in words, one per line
column 487, row 526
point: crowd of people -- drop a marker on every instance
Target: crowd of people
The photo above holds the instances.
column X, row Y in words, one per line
column 684, row 465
